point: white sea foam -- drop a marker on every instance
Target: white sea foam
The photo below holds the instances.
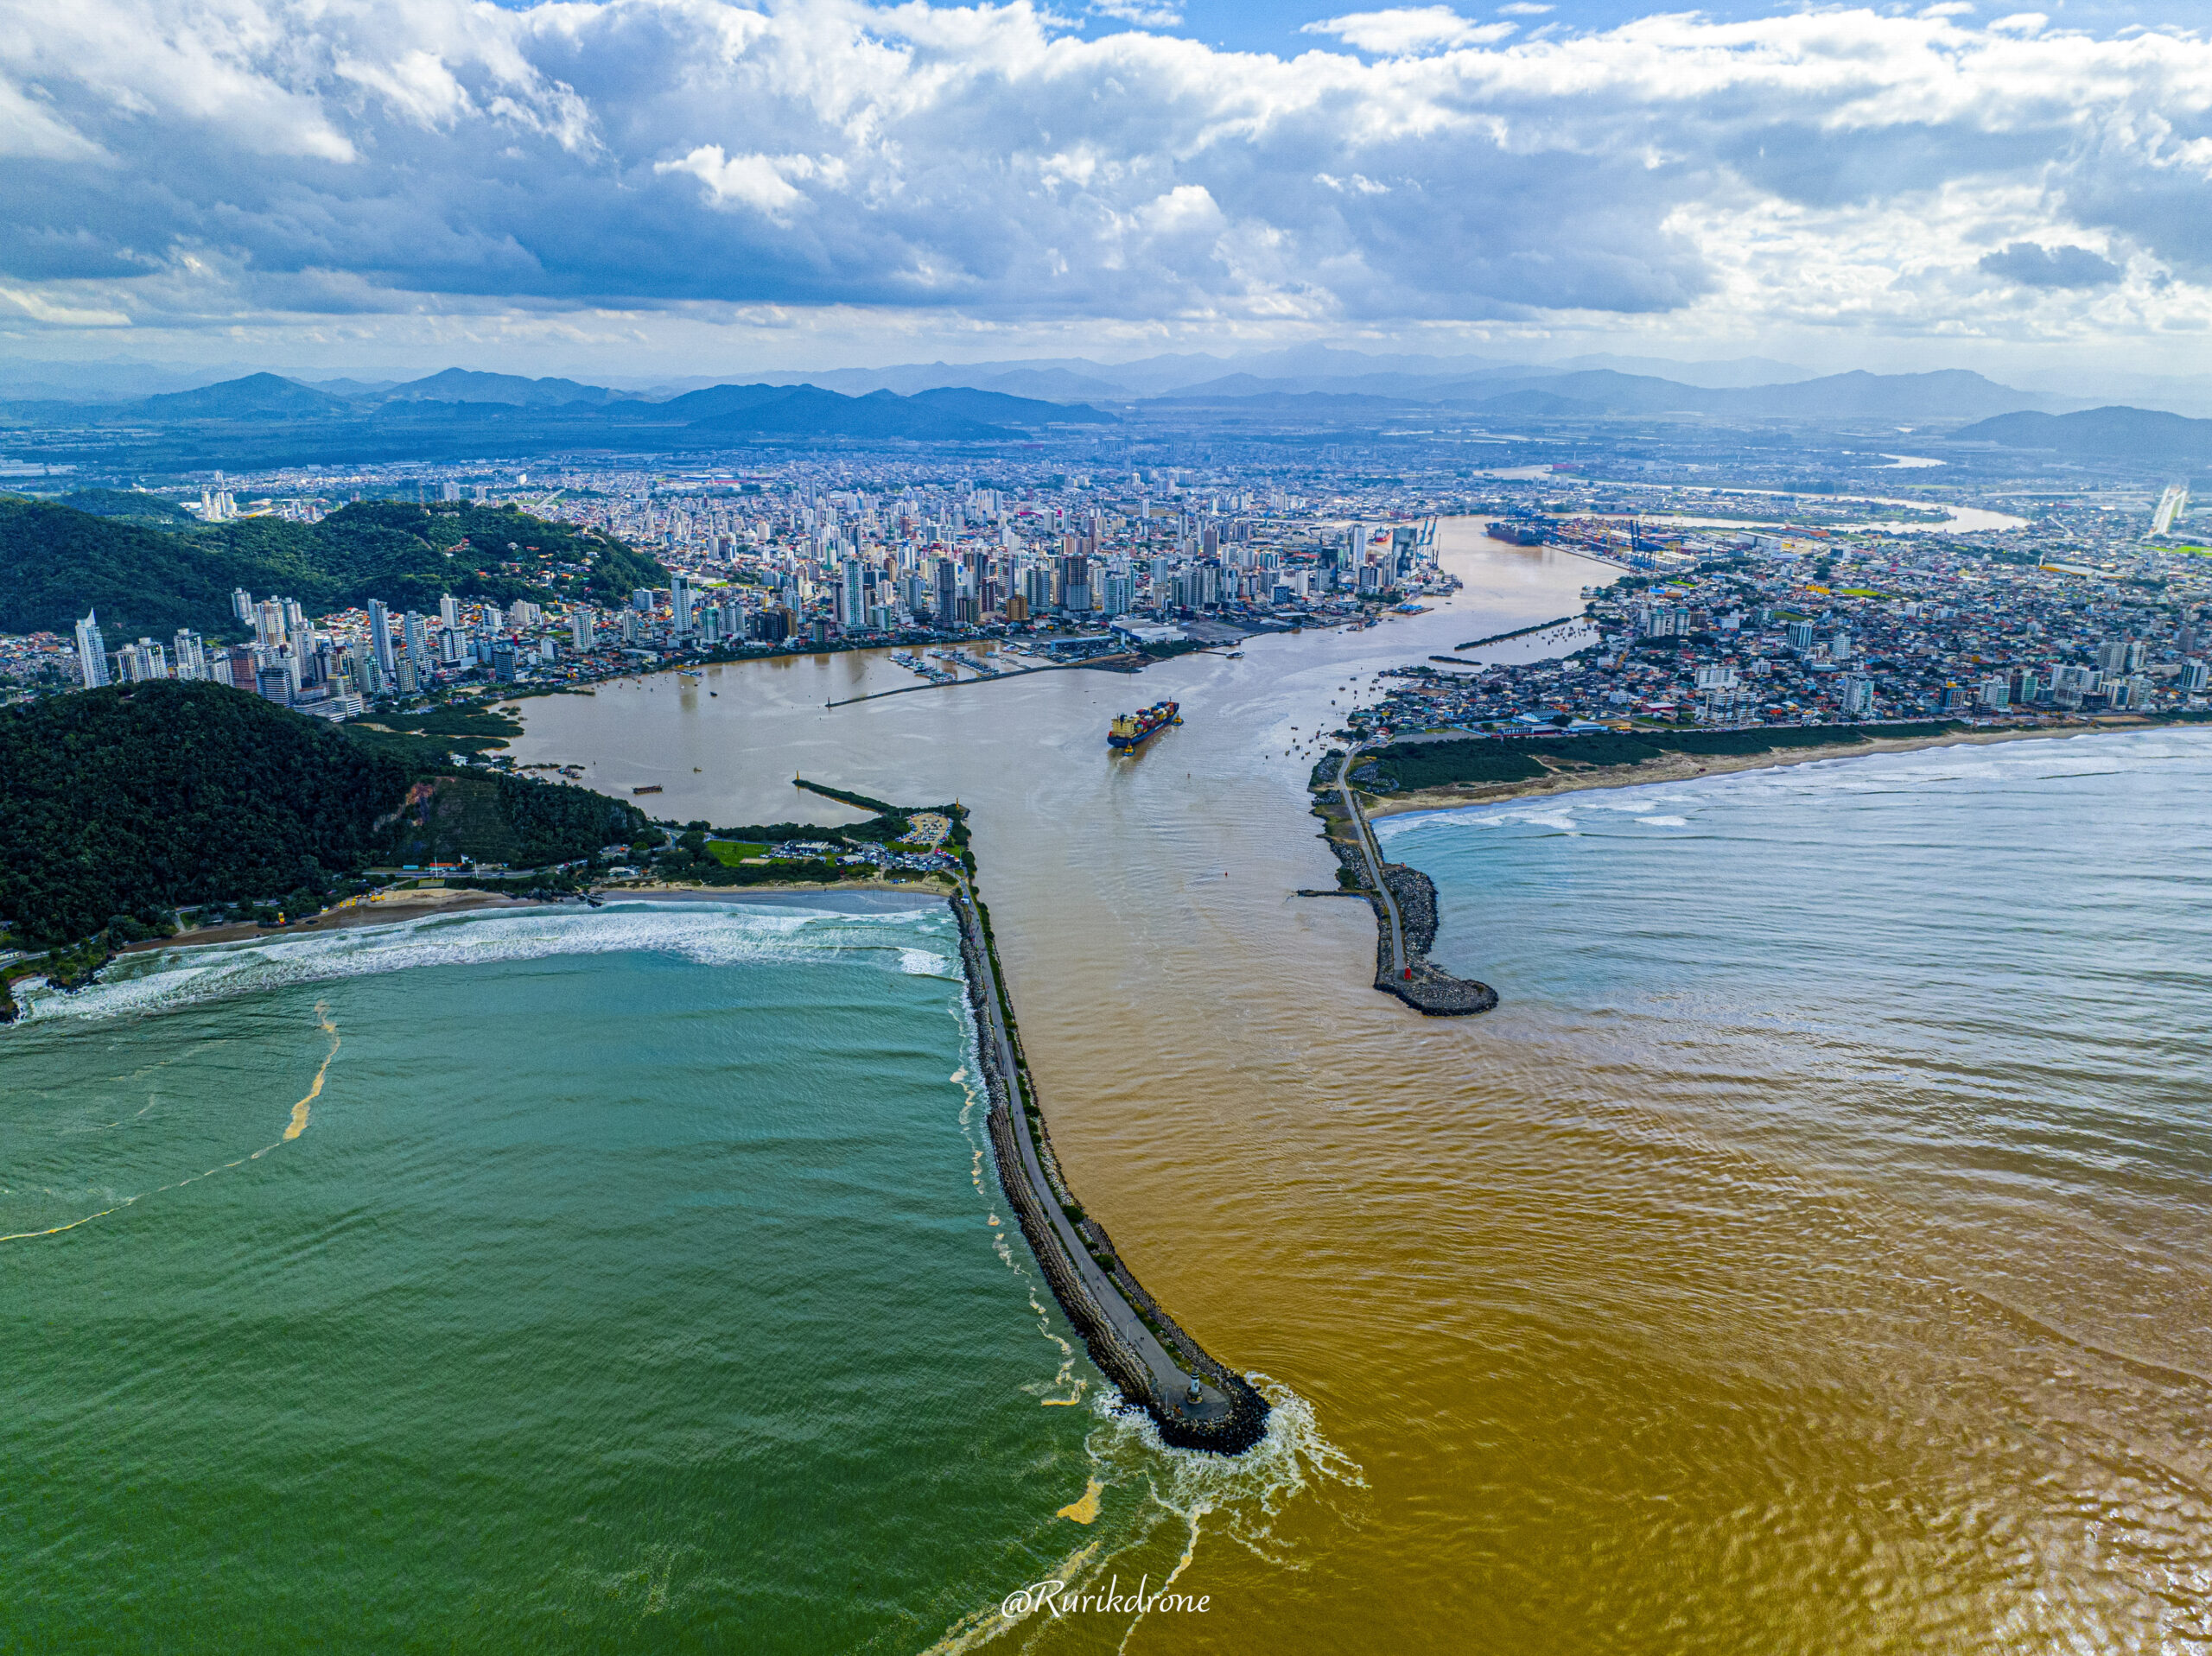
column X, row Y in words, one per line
column 1186, row 1495
column 1675, row 804
column 706, row 934
column 1246, row 1492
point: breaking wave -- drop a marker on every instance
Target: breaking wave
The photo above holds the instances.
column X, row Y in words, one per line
column 1679, row 803
column 918, row 942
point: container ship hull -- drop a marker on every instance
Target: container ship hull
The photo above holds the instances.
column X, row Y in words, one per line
column 1132, row 729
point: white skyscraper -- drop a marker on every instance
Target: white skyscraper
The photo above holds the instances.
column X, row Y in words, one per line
column 579, row 629
column 680, row 602
column 380, row 634
column 92, row 652
column 448, row 611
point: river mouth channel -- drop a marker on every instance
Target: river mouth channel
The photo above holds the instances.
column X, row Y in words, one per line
column 1608, row 1294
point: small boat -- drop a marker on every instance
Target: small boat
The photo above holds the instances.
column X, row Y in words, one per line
column 649, row 788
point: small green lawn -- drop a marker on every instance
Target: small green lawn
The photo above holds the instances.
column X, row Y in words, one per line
column 730, row 852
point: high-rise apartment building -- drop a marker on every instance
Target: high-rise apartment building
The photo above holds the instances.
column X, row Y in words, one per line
column 92, row 652
column 2121, row 655
column 380, row 634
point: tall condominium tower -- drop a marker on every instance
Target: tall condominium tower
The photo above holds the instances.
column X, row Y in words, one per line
column 92, row 650
column 380, row 634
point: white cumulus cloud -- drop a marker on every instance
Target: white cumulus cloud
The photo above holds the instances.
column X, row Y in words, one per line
column 287, row 159
column 1407, row 30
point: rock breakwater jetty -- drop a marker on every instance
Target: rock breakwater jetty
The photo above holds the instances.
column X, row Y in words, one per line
column 1193, row 1400
column 1404, row 901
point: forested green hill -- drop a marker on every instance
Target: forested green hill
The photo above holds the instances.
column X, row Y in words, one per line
column 134, row 800
column 132, row 506
column 56, row 562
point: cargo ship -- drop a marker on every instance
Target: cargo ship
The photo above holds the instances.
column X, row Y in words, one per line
column 1131, row 728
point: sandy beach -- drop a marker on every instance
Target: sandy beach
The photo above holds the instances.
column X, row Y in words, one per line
column 384, row 909
column 1686, row 767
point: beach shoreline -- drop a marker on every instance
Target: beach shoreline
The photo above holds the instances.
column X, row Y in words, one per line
column 424, row 904
column 1689, row 767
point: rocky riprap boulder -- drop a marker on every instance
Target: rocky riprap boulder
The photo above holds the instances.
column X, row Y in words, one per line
column 1422, row 985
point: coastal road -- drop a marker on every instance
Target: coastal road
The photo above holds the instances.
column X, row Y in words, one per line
column 1374, row 855
column 1171, row 1380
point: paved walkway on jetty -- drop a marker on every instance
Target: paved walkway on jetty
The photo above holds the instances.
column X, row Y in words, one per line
column 1123, row 663
column 1373, row 852
column 1171, row 1380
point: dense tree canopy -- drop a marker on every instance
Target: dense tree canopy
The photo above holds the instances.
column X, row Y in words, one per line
column 136, row 799
column 56, row 562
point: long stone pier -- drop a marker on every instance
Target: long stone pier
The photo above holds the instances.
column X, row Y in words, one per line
column 1195, row 1402
column 1404, row 900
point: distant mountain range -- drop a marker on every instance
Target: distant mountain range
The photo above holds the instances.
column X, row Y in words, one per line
column 957, row 412
column 459, row 406
column 2057, row 389
column 2110, row 433
column 267, row 418
column 1950, row 394
column 255, row 395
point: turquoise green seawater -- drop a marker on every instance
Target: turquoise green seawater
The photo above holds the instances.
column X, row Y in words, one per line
column 635, row 1280
column 1812, row 1252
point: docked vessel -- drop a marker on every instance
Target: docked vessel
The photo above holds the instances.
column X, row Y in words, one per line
column 1131, row 728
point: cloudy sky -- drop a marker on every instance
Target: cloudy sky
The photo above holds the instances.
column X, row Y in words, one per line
column 645, row 187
